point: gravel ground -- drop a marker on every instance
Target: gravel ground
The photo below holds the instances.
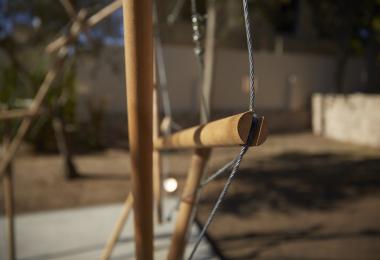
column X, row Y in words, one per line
column 296, row 197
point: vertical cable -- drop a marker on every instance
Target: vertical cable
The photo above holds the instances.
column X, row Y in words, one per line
column 244, row 149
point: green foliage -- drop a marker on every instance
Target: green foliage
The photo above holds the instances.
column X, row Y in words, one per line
column 60, row 100
column 280, row 13
column 8, row 82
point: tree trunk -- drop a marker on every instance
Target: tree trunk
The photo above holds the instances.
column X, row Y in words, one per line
column 373, row 78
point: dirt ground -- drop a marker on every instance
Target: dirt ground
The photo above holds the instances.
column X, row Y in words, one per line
column 297, row 197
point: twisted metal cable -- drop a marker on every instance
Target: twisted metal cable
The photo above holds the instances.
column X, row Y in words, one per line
column 244, row 149
column 220, row 199
column 212, row 177
column 248, row 31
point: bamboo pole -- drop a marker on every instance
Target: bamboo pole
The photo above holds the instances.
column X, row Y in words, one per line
column 114, row 237
column 200, row 157
column 16, row 113
column 183, row 221
column 9, row 205
column 27, row 121
column 75, row 29
column 229, row 131
column 104, row 12
column 138, row 44
column 83, row 25
column 69, row 8
column 157, row 163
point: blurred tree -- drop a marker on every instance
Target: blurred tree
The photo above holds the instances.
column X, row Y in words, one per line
column 354, row 26
column 26, row 26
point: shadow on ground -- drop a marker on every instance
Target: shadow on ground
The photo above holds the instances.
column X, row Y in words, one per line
column 305, row 181
column 290, row 183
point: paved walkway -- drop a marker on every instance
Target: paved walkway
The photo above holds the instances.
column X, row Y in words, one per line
column 81, row 234
column 299, row 196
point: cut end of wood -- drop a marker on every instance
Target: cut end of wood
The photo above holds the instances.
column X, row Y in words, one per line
column 229, row 131
column 260, row 132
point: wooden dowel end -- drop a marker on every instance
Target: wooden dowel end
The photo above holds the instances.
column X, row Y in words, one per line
column 229, row 131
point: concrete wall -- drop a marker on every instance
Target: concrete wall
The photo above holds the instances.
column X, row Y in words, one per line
column 352, row 118
column 284, row 82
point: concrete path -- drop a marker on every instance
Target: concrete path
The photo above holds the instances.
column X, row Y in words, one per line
column 81, row 234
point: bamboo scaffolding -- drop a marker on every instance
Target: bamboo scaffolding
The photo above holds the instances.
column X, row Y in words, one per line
column 116, row 232
column 56, row 45
column 35, row 109
column 81, row 24
column 71, row 12
column 138, row 44
column 18, row 113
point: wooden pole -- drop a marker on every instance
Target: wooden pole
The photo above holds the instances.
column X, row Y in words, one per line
column 229, row 131
column 183, row 221
column 157, row 163
column 83, row 25
column 103, row 13
column 75, row 29
column 17, row 113
column 138, row 44
column 70, row 10
column 200, row 157
column 9, row 205
column 114, row 237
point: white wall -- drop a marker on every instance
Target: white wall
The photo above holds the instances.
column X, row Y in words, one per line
column 352, row 118
column 101, row 79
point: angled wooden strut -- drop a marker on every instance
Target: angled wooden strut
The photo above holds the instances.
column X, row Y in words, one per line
column 72, row 13
column 116, row 232
column 80, row 24
column 69, row 8
column 18, row 113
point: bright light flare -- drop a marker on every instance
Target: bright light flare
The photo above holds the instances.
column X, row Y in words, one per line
column 170, row 185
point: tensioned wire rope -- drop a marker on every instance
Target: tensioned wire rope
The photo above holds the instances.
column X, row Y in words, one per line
column 237, row 161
